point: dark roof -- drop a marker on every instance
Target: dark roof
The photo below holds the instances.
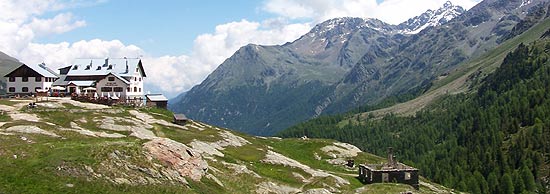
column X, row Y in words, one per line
column 180, row 117
column 32, row 70
column 61, row 81
column 64, row 70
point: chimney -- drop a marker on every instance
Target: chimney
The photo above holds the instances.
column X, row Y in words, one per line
column 106, row 62
column 126, row 65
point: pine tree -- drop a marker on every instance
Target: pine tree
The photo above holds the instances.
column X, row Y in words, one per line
column 492, row 180
column 528, row 178
column 507, row 186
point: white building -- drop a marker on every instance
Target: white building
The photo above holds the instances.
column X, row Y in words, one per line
column 27, row 79
column 121, row 77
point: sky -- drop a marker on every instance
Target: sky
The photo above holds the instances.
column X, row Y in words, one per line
column 180, row 42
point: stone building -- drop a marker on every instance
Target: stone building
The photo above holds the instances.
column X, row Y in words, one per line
column 390, row 172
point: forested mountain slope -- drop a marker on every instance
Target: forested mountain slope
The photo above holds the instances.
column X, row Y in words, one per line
column 493, row 140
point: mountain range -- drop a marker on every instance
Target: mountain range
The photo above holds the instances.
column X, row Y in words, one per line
column 345, row 63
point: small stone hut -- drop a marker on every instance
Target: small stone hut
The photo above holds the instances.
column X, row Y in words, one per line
column 180, row 119
column 390, row 172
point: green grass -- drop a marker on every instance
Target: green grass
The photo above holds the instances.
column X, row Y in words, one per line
column 304, row 151
column 279, row 173
column 388, row 188
column 187, row 136
column 366, row 158
column 4, row 117
column 159, row 113
column 246, row 153
column 8, row 102
column 37, row 167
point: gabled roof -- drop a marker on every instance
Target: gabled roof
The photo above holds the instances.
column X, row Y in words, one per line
column 38, row 69
column 132, row 67
column 180, row 117
column 119, row 77
column 156, row 97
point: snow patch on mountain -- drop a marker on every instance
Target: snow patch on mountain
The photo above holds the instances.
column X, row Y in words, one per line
column 430, row 18
column 525, row 2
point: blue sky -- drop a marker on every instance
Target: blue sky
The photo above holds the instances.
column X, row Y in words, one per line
column 165, row 28
column 180, row 42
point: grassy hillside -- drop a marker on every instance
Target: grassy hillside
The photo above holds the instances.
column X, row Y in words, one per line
column 69, row 147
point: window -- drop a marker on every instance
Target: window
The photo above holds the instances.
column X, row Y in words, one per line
column 25, row 89
column 140, row 79
column 11, row 89
column 38, row 79
column 128, row 89
column 106, row 89
column 118, row 89
column 37, row 88
column 135, row 89
column 25, row 79
column 139, row 89
column 111, row 79
column 12, row 79
column 137, row 69
column 135, row 79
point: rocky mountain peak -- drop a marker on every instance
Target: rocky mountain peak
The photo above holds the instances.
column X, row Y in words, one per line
column 431, row 18
column 331, row 35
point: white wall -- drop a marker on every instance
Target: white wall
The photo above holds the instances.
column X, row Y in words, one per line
column 106, row 83
column 31, row 84
column 136, row 82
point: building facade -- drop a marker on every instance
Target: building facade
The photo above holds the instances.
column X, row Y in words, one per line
column 120, row 77
column 29, row 79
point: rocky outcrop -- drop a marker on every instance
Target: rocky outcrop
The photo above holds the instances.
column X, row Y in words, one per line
column 270, row 187
column 341, row 150
column 30, row 129
column 213, row 148
column 178, row 157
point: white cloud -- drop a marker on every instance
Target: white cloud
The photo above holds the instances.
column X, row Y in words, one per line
column 20, row 25
column 61, row 23
column 64, row 53
column 391, row 11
